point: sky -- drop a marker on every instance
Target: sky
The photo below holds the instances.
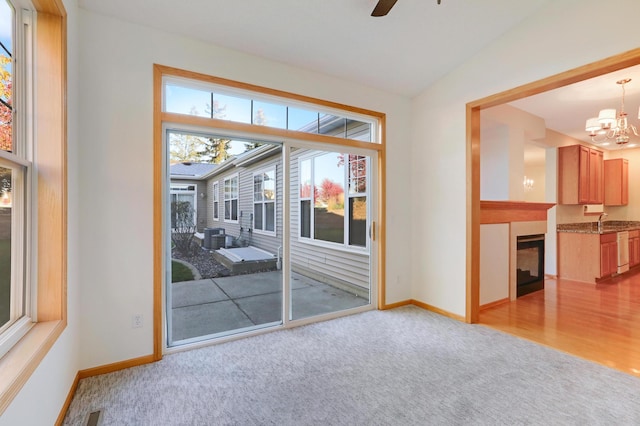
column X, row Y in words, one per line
column 184, row 100
column 6, row 14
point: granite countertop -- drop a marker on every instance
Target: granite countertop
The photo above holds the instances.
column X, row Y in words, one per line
column 592, row 227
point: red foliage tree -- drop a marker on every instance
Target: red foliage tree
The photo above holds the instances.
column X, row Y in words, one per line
column 329, row 190
column 6, row 116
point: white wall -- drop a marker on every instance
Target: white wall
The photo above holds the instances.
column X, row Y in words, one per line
column 40, row 400
column 495, row 159
column 550, row 42
column 494, row 262
column 116, row 165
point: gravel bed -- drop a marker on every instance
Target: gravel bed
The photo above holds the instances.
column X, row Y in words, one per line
column 204, row 262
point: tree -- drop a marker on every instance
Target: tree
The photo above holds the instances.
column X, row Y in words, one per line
column 215, row 150
column 6, row 116
column 330, row 194
column 192, row 148
column 184, row 147
column 183, row 226
column 5, row 181
column 357, row 171
column 214, row 110
column 200, row 149
column 259, row 119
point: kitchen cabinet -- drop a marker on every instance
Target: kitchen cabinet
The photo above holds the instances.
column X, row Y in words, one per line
column 634, row 248
column 608, row 254
column 616, row 182
column 580, row 175
column 587, row 257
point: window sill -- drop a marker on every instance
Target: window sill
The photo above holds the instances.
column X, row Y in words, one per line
column 21, row 361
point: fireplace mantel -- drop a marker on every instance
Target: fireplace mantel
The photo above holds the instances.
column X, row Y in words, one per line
column 512, row 211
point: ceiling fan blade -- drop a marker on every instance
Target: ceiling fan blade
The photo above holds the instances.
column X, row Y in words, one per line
column 383, row 7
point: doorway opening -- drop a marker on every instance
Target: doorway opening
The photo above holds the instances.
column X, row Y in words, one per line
column 614, row 63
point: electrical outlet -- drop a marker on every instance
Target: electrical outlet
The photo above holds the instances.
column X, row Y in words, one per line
column 136, row 321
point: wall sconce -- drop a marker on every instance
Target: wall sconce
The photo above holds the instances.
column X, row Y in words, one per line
column 528, row 184
column 203, row 195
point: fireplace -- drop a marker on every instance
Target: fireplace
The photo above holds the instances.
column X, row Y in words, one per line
column 529, row 264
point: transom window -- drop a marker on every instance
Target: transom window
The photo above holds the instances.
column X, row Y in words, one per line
column 212, row 101
column 264, row 200
column 231, row 199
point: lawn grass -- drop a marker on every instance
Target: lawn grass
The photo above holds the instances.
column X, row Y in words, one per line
column 5, row 280
column 179, row 272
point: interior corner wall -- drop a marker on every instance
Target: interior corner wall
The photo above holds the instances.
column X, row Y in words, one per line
column 40, row 400
column 550, row 42
column 495, row 161
column 116, row 169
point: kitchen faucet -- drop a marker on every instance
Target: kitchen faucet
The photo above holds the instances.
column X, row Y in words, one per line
column 600, row 221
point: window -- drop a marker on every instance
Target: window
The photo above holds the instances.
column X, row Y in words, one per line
column 216, row 203
column 357, row 195
column 322, row 179
column 264, row 201
column 49, row 278
column 231, row 199
column 17, row 297
column 222, row 103
column 183, row 207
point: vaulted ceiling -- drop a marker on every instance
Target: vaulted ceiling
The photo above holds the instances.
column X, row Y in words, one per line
column 404, row 52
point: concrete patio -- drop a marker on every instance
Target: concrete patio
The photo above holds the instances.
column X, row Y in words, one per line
column 217, row 305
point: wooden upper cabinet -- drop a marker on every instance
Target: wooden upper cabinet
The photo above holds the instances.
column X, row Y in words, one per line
column 580, row 175
column 616, row 182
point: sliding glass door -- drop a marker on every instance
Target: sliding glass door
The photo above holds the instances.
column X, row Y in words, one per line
column 225, row 236
column 331, row 228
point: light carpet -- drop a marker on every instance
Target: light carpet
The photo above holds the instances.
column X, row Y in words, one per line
column 405, row 366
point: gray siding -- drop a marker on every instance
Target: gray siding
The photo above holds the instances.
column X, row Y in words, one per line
column 268, row 242
column 333, row 265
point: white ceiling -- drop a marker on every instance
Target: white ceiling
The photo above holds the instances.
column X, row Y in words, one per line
column 404, row 52
column 565, row 110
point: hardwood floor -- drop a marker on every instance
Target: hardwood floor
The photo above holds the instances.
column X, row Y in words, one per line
column 598, row 322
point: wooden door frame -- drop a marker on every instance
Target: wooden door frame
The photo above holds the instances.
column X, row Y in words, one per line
column 595, row 69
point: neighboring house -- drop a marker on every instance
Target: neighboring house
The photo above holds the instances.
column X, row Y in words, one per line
column 244, row 197
column 187, row 185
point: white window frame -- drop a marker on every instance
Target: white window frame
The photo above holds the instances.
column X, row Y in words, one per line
column 235, row 176
column 183, row 189
column 311, row 238
column 216, row 200
column 23, row 292
column 349, row 195
column 263, row 202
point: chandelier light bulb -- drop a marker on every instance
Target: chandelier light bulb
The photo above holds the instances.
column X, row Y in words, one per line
column 607, row 117
column 611, row 125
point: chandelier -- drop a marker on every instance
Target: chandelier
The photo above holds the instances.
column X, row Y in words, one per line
column 611, row 126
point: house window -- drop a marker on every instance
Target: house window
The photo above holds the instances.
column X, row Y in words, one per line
column 183, row 206
column 16, row 293
column 264, row 200
column 216, row 202
column 357, row 196
column 231, row 199
column 322, row 179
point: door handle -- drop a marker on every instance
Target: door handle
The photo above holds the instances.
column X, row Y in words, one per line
column 372, row 231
